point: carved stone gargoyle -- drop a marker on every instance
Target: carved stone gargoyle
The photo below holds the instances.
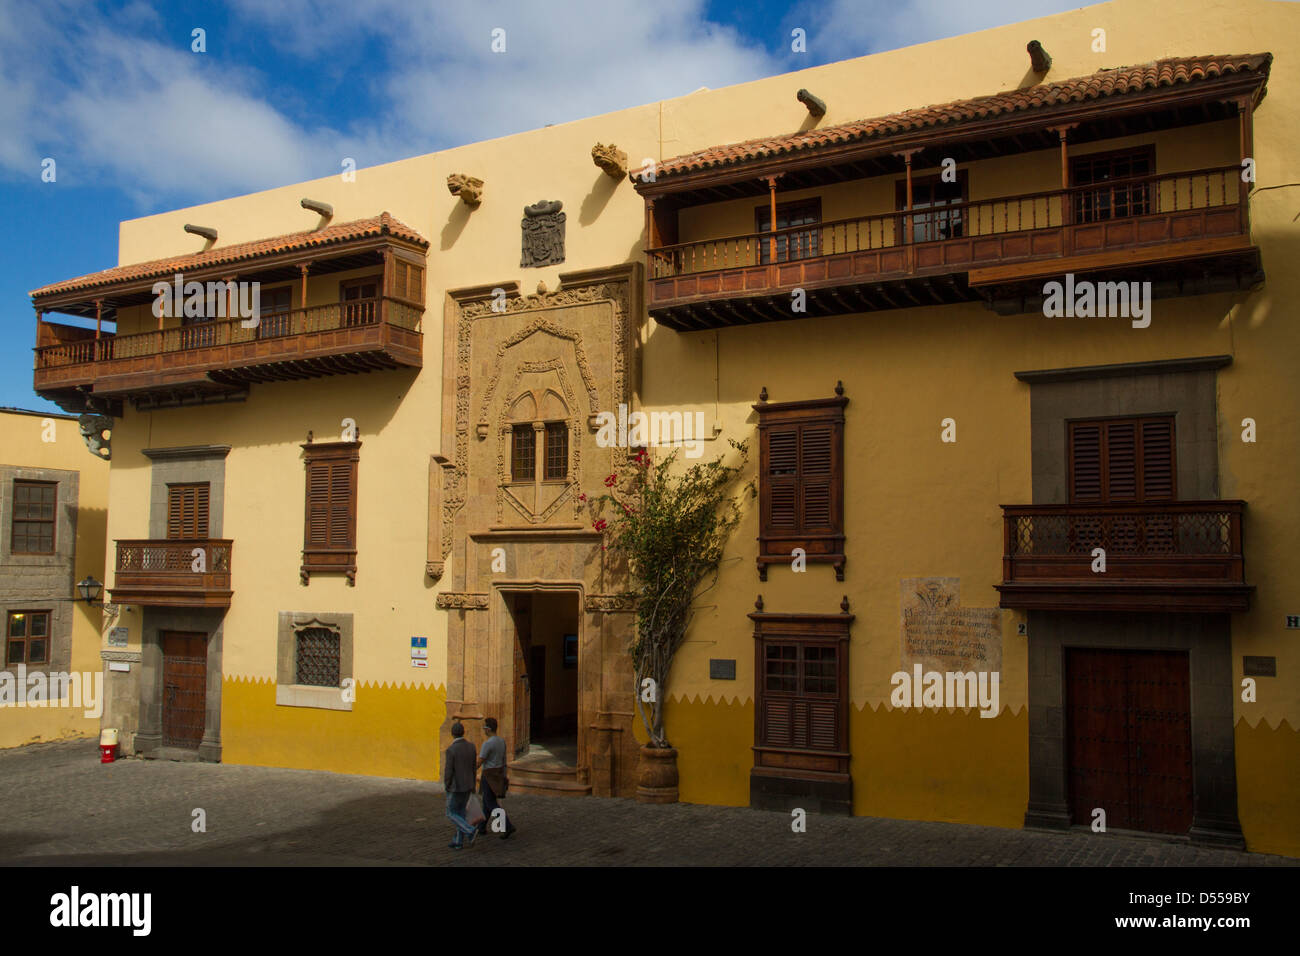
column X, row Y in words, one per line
column 97, row 433
column 469, row 189
column 611, row 160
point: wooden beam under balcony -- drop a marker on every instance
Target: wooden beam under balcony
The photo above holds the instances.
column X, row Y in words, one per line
column 1184, row 556
column 162, row 573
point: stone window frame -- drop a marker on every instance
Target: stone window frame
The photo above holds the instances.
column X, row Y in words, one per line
column 291, row 694
column 42, row 581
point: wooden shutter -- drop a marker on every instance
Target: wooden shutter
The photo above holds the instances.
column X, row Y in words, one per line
column 801, row 482
column 783, row 478
column 1158, row 481
column 1122, row 460
column 815, row 478
column 330, row 527
column 187, row 510
column 329, row 504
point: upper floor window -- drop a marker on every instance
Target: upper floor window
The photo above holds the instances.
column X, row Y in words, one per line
column 801, row 482
column 1122, row 459
column 802, row 244
column 1116, row 194
column 330, row 535
column 28, row 637
column 32, row 525
column 359, row 300
column 932, row 220
column 187, row 510
column 554, row 463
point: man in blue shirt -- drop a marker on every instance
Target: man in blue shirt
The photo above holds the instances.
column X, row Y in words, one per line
column 493, row 782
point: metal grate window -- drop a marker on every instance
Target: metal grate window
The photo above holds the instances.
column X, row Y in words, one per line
column 557, row 450
column 318, row 657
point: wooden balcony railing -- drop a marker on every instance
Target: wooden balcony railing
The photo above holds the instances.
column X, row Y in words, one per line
column 1138, row 196
column 1169, row 555
column 173, row 572
column 340, row 337
column 959, row 251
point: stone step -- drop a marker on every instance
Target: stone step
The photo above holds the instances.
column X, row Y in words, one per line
column 546, row 778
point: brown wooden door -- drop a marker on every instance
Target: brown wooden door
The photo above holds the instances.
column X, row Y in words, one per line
column 185, row 680
column 1129, row 745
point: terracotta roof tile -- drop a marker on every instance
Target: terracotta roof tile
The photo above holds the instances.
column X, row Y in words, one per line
column 383, row 224
column 1104, row 83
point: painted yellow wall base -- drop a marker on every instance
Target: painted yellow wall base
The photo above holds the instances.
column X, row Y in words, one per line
column 713, row 742
column 390, row 731
column 954, row 767
column 1268, row 787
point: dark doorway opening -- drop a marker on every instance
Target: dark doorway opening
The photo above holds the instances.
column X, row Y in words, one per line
column 546, row 675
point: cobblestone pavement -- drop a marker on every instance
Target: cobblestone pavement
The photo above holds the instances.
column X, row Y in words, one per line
column 62, row 807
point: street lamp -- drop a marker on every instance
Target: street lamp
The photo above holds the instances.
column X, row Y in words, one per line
column 89, row 588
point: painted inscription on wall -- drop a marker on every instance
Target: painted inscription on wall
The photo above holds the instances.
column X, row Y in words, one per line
column 941, row 635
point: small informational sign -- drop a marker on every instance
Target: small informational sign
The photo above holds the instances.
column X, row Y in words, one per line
column 419, row 652
column 1259, row 666
column 117, row 637
column 121, row 666
column 722, row 669
column 1293, row 622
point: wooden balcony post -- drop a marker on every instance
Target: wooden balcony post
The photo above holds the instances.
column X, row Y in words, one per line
column 231, row 306
column 99, row 317
column 1062, row 133
column 386, row 287
column 651, row 237
column 1247, row 124
column 771, row 247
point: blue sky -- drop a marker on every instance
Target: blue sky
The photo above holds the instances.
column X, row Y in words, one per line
column 115, row 95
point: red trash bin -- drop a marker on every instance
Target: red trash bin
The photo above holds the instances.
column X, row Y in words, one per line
column 108, row 746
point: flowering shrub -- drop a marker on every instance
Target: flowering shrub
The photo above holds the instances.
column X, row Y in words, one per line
column 672, row 527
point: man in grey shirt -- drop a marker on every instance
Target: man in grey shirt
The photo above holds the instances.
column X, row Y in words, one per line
column 492, row 758
column 458, row 781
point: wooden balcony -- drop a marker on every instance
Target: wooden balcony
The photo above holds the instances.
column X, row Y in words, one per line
column 1160, row 556
column 210, row 359
column 1185, row 232
column 162, row 573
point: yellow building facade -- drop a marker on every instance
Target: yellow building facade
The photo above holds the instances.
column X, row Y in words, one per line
column 335, row 530
column 53, row 512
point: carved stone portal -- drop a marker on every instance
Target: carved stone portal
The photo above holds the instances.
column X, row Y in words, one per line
column 543, row 234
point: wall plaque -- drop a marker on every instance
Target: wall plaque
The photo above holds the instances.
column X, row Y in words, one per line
column 117, row 637
column 1259, row 666
column 940, row 635
column 543, row 225
column 722, row 669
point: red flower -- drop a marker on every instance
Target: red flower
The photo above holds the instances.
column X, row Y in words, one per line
column 582, row 497
column 642, row 457
column 611, row 480
column 600, row 524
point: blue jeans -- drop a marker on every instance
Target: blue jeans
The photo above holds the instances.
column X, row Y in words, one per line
column 456, row 814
